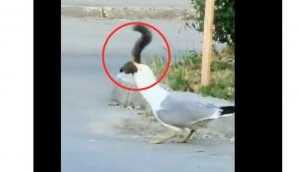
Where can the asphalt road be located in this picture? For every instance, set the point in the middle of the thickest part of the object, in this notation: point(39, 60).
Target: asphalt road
point(89, 140)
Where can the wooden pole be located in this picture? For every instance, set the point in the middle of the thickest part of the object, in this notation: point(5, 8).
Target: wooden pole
point(207, 42)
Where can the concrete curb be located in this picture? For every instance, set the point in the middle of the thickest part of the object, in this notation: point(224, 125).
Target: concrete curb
point(127, 12)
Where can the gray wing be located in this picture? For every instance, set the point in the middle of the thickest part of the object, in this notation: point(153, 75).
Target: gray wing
point(182, 111)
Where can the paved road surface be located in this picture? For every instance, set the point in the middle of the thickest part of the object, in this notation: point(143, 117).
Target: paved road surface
point(89, 142)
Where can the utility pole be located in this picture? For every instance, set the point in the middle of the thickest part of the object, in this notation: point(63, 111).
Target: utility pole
point(207, 42)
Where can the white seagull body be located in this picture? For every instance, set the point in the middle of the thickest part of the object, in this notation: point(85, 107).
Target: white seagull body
point(177, 112)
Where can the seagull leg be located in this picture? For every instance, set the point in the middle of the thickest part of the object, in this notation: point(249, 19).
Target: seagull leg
point(128, 101)
point(185, 139)
point(169, 135)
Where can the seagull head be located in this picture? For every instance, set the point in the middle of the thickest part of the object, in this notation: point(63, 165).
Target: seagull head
point(142, 73)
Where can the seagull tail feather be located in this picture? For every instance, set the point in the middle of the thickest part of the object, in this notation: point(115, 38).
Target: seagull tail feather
point(227, 110)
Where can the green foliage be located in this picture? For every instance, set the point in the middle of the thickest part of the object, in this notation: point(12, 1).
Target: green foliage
point(184, 75)
point(223, 20)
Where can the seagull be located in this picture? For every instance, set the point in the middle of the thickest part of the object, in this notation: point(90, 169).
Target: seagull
point(179, 113)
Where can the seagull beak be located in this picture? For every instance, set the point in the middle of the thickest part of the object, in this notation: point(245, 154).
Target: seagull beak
point(119, 76)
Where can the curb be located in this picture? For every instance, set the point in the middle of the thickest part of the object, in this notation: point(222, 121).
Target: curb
point(107, 12)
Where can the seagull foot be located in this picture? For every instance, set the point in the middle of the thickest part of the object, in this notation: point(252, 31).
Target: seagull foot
point(185, 139)
point(167, 136)
point(157, 141)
